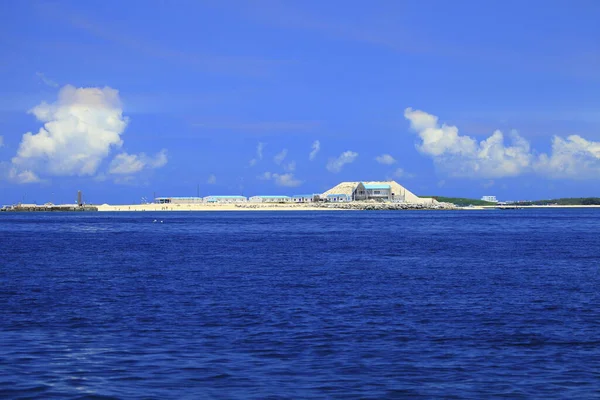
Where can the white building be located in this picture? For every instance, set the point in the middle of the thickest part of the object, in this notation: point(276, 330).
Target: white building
point(338, 198)
point(491, 199)
point(178, 200)
point(270, 199)
point(303, 198)
point(385, 191)
point(225, 199)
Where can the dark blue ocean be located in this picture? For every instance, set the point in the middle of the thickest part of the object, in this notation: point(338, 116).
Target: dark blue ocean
point(409, 304)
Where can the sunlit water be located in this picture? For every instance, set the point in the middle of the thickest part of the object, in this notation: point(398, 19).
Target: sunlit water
point(472, 304)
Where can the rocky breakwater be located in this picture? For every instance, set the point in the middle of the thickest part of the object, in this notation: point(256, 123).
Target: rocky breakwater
point(48, 208)
point(387, 206)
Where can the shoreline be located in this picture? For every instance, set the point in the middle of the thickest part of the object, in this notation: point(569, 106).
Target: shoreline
point(273, 207)
point(201, 207)
point(354, 206)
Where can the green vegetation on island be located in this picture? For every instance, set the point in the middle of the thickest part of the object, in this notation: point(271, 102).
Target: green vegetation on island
point(570, 201)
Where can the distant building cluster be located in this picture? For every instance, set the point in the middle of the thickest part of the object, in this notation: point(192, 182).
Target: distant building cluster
point(303, 198)
point(491, 199)
point(382, 191)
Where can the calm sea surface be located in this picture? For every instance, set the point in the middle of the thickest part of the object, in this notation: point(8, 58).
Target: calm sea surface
point(471, 304)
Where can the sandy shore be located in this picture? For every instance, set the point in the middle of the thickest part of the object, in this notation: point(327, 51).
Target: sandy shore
point(297, 207)
point(211, 207)
point(274, 207)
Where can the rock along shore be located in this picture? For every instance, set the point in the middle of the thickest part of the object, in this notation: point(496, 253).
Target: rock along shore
point(386, 206)
point(278, 207)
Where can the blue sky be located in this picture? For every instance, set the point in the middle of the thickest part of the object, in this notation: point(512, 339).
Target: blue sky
point(126, 99)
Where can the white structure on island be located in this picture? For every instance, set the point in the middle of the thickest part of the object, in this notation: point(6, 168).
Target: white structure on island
point(338, 198)
point(491, 199)
point(270, 199)
point(178, 200)
point(225, 199)
point(303, 198)
point(381, 191)
point(384, 191)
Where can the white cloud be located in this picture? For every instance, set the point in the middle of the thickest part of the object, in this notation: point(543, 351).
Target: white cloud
point(336, 164)
point(291, 166)
point(1, 141)
point(571, 158)
point(286, 180)
point(401, 173)
point(316, 147)
point(80, 130)
point(259, 153)
point(265, 176)
point(26, 176)
point(281, 179)
point(126, 164)
point(212, 179)
point(259, 150)
point(160, 159)
point(462, 156)
point(279, 157)
point(385, 159)
point(47, 81)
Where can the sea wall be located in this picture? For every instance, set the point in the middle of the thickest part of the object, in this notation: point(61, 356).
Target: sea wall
point(44, 208)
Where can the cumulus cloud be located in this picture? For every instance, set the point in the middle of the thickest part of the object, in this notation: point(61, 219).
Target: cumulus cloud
point(279, 157)
point(385, 159)
point(80, 130)
point(336, 164)
point(127, 164)
point(316, 147)
point(462, 156)
point(286, 180)
point(26, 176)
point(571, 158)
point(212, 179)
point(281, 179)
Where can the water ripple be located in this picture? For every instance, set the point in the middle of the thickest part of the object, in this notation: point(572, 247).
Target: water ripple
point(283, 305)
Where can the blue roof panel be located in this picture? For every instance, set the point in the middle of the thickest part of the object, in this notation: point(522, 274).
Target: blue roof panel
point(226, 197)
point(179, 198)
point(377, 186)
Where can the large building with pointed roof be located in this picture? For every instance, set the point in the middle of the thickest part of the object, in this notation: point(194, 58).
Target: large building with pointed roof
point(390, 191)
